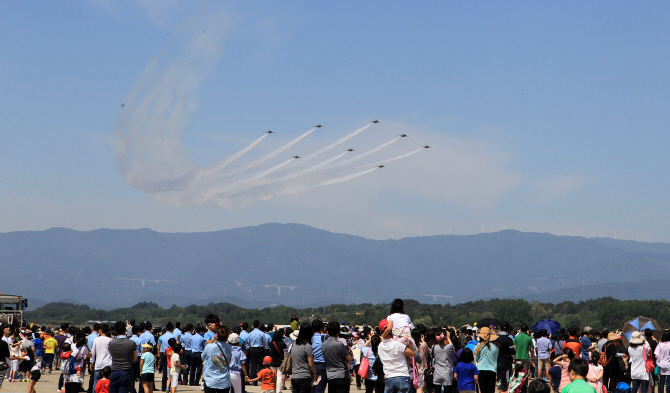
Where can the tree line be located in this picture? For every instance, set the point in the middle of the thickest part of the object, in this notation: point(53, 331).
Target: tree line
point(599, 313)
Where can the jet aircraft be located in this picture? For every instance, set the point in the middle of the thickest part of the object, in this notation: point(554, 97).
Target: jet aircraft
point(426, 147)
point(374, 121)
point(318, 126)
point(351, 150)
point(269, 132)
point(296, 156)
point(403, 135)
point(381, 166)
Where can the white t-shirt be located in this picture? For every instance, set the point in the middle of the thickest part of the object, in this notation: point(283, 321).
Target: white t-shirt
point(400, 321)
point(391, 352)
point(637, 367)
point(100, 353)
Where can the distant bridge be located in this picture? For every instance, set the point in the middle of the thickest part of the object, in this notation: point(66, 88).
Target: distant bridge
point(279, 287)
point(142, 280)
point(451, 298)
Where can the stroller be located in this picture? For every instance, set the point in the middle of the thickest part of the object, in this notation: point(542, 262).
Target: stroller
point(518, 382)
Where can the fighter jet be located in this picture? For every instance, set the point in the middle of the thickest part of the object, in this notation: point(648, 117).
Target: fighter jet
point(269, 132)
point(403, 135)
point(318, 126)
point(351, 150)
point(426, 147)
point(296, 156)
point(381, 166)
point(374, 121)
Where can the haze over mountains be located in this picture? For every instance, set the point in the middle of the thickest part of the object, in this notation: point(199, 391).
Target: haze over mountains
point(236, 265)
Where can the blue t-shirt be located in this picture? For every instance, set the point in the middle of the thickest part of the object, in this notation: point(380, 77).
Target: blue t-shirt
point(147, 338)
point(39, 346)
point(137, 341)
point(215, 369)
point(555, 373)
point(316, 348)
point(92, 337)
point(466, 375)
point(177, 334)
point(186, 341)
point(209, 336)
point(149, 360)
point(163, 340)
point(238, 358)
point(197, 343)
point(586, 344)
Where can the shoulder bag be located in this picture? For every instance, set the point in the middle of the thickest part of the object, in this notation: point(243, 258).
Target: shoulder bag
point(364, 367)
point(286, 366)
point(648, 363)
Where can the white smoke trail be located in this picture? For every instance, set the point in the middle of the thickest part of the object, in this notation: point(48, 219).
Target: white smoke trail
point(304, 188)
point(227, 161)
point(367, 153)
point(337, 143)
point(400, 157)
point(266, 157)
point(147, 135)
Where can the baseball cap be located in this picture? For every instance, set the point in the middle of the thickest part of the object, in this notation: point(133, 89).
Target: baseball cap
point(383, 324)
point(267, 360)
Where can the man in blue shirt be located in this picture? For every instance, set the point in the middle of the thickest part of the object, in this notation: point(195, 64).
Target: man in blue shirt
point(163, 342)
point(197, 346)
point(177, 332)
point(135, 337)
point(94, 334)
point(244, 335)
point(319, 361)
point(145, 336)
point(257, 340)
point(185, 359)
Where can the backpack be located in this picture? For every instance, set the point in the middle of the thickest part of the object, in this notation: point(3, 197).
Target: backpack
point(603, 360)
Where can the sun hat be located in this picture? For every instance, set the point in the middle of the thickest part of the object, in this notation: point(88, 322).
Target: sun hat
point(636, 338)
point(294, 335)
point(147, 345)
point(233, 338)
point(267, 360)
point(487, 334)
point(612, 337)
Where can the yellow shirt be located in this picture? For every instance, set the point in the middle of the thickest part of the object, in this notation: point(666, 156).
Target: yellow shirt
point(50, 345)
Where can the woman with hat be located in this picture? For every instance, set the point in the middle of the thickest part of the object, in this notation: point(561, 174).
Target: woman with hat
point(638, 353)
point(612, 370)
point(486, 355)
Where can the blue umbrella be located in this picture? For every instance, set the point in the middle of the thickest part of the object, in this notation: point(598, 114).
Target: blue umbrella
point(551, 326)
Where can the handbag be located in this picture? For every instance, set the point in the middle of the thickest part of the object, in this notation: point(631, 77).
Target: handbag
point(286, 366)
point(415, 378)
point(648, 363)
point(657, 370)
point(364, 368)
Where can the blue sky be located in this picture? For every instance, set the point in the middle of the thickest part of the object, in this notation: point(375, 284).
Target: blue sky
point(547, 116)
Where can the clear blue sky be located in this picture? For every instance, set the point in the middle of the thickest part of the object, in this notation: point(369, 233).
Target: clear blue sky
point(547, 116)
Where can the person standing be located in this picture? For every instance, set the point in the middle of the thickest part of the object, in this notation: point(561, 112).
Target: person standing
point(135, 337)
point(303, 371)
point(216, 363)
point(524, 346)
point(662, 356)
point(100, 357)
point(586, 344)
point(256, 350)
point(393, 354)
point(186, 338)
point(319, 361)
point(337, 360)
point(577, 371)
point(506, 352)
point(638, 352)
point(197, 346)
point(543, 354)
point(163, 344)
point(486, 355)
point(238, 360)
point(443, 354)
point(124, 354)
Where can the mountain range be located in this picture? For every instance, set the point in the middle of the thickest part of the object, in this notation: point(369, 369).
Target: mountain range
point(109, 268)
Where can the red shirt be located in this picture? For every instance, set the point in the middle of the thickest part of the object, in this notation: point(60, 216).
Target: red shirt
point(102, 386)
point(575, 345)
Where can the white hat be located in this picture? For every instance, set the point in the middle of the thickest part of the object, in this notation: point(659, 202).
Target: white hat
point(233, 338)
point(294, 335)
point(636, 338)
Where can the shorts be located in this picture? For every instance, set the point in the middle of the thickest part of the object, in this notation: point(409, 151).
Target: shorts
point(148, 377)
point(174, 378)
point(14, 365)
point(35, 375)
point(544, 364)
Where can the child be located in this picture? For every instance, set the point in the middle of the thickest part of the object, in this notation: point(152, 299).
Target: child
point(103, 385)
point(169, 351)
point(176, 368)
point(266, 376)
point(147, 368)
point(28, 356)
point(538, 386)
point(577, 371)
point(15, 352)
point(237, 363)
point(50, 345)
point(516, 382)
point(39, 347)
point(466, 373)
point(400, 325)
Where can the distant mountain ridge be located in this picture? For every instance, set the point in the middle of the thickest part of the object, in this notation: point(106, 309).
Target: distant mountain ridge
point(315, 267)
